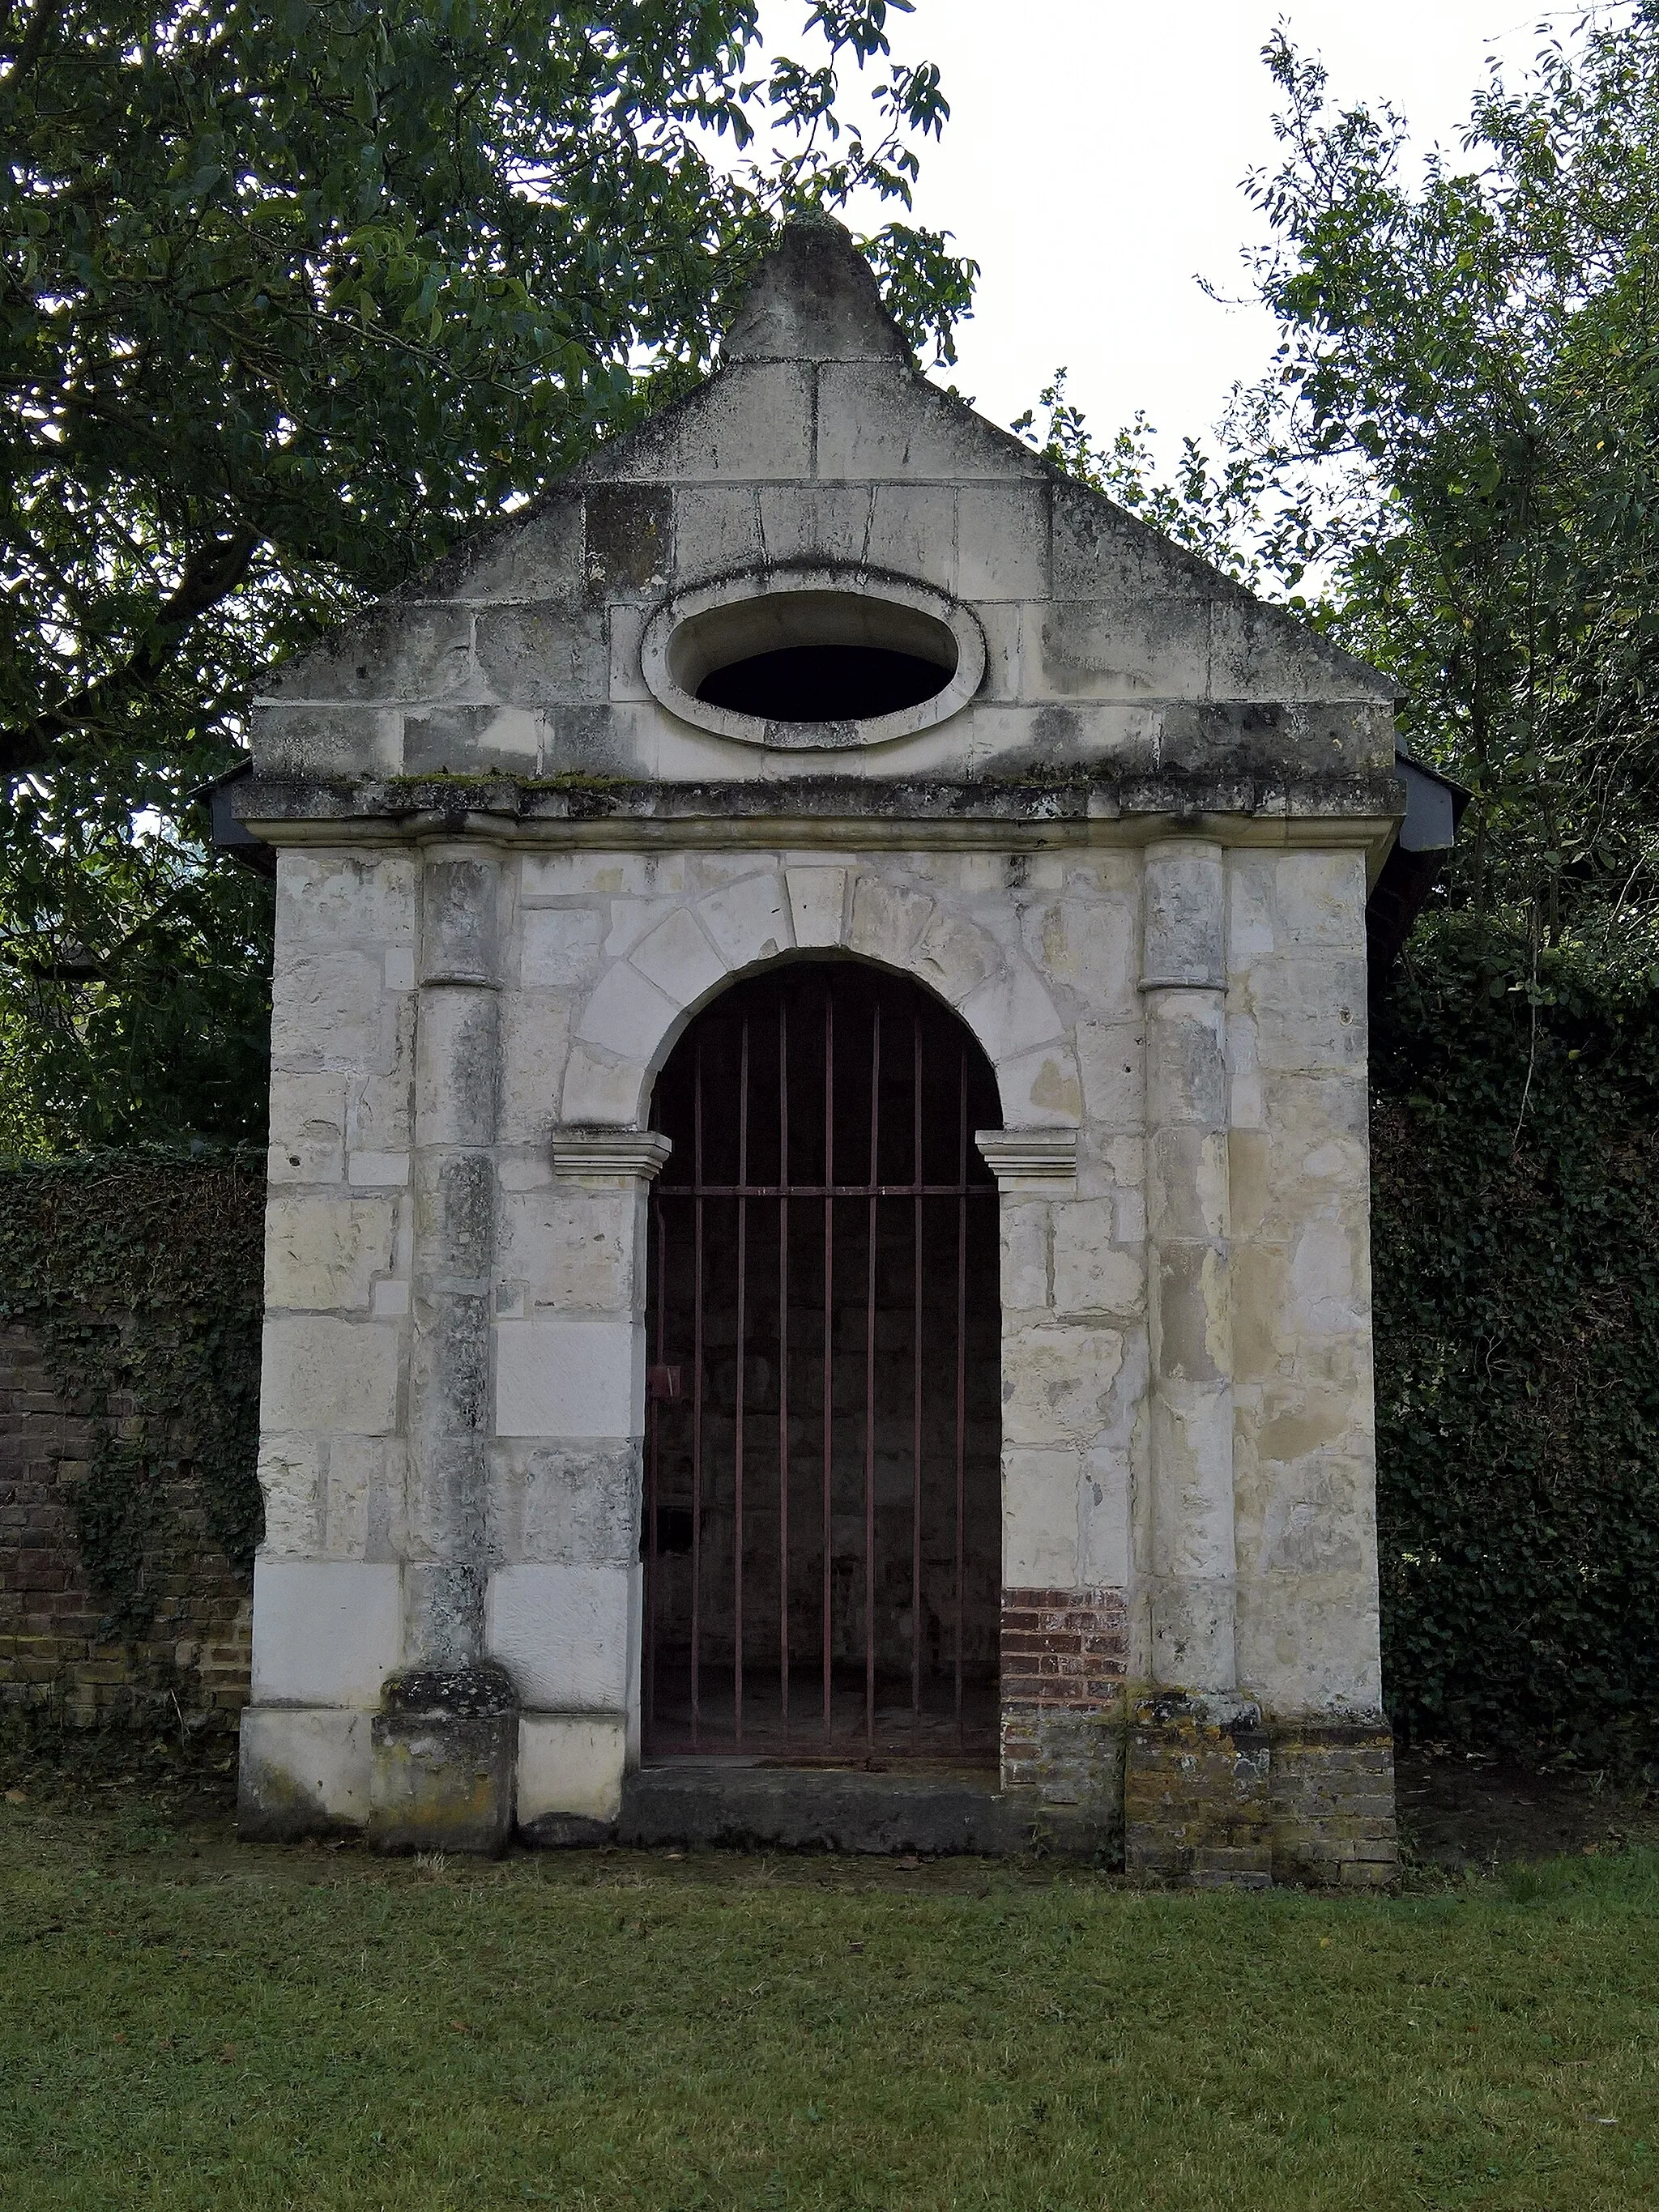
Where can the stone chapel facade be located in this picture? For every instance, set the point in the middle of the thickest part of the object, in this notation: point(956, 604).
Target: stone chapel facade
point(1056, 903)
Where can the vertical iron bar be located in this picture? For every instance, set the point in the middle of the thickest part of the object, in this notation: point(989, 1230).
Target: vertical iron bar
point(737, 1451)
point(870, 1392)
point(653, 1415)
point(962, 1372)
point(783, 1362)
point(696, 1401)
point(915, 1406)
point(829, 1345)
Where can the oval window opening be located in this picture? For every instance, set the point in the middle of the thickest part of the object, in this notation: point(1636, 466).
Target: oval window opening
point(813, 657)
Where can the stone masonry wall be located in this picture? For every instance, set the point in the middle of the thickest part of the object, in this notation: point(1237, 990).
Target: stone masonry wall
point(52, 1646)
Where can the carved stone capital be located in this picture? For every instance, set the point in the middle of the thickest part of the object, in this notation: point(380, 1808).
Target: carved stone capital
point(591, 1154)
point(1033, 1158)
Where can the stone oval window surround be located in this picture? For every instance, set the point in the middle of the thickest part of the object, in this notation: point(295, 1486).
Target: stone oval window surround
point(885, 656)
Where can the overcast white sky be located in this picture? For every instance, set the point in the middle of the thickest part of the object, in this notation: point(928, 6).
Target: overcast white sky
point(1092, 165)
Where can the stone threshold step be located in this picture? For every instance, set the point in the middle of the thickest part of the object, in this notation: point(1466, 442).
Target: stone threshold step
point(746, 1806)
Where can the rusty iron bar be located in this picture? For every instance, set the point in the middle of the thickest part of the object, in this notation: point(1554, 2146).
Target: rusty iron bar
point(783, 1365)
point(737, 1447)
point(870, 1391)
point(829, 1353)
point(652, 1570)
point(696, 1410)
point(962, 1386)
point(915, 1402)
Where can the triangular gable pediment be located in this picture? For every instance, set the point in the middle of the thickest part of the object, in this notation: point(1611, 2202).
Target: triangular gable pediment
point(818, 449)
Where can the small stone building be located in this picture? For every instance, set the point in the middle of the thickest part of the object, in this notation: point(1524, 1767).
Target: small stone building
point(818, 1236)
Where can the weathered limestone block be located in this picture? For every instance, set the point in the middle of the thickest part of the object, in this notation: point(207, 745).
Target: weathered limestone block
point(567, 1503)
point(818, 904)
point(749, 920)
point(363, 1502)
point(323, 1373)
point(570, 1779)
point(557, 1377)
point(564, 1632)
point(575, 1249)
point(1041, 1088)
point(290, 1474)
point(308, 1126)
point(1002, 541)
point(535, 1051)
point(1091, 1274)
point(1057, 1383)
point(324, 1632)
point(302, 1771)
point(1026, 1269)
point(324, 1253)
point(561, 947)
point(1040, 1504)
point(678, 959)
point(330, 1008)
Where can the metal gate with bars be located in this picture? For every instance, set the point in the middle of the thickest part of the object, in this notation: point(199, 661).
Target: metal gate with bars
point(821, 1505)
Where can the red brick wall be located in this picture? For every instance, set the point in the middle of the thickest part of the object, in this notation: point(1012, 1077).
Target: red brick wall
point(1064, 1653)
point(197, 1647)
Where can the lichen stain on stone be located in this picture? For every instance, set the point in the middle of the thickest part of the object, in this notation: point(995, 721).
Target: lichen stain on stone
point(1293, 1435)
point(1312, 1536)
point(1056, 1089)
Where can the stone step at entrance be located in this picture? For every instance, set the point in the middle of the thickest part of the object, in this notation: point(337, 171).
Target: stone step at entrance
point(744, 1804)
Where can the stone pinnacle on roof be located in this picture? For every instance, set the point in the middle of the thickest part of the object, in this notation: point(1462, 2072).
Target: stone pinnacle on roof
point(814, 298)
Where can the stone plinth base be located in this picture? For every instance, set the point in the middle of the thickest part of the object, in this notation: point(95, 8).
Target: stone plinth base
point(1331, 1788)
point(1196, 1806)
point(304, 1771)
point(1212, 1797)
point(445, 1757)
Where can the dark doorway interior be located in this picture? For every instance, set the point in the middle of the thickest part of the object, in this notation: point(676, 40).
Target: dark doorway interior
point(821, 1524)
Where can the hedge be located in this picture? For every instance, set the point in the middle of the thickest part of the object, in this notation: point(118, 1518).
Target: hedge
point(1515, 1242)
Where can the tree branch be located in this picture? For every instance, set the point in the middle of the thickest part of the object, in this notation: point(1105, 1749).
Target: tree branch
point(36, 32)
point(211, 575)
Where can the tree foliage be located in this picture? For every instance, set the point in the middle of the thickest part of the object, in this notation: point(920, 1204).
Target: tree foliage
point(294, 296)
point(1453, 465)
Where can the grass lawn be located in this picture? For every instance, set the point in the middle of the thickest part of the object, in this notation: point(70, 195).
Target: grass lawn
point(184, 2023)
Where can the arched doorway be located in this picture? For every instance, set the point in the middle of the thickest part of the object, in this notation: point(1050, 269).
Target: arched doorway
point(821, 1528)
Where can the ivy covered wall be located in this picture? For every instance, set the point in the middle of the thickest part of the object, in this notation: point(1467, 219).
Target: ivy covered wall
point(1515, 1239)
point(130, 1313)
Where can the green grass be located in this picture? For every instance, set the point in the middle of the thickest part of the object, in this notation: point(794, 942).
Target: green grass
point(318, 2029)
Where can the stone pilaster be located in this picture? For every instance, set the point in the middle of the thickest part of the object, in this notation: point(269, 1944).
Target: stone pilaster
point(1183, 982)
point(1196, 1758)
point(456, 1074)
point(444, 1743)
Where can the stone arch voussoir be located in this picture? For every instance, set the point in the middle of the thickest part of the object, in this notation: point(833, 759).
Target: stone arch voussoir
point(643, 999)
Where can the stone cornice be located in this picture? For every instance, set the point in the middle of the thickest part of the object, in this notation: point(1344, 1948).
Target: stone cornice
point(599, 1155)
point(1360, 814)
point(1022, 1158)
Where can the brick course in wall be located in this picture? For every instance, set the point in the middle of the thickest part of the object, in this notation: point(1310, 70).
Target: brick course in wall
point(52, 1644)
point(1064, 1653)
